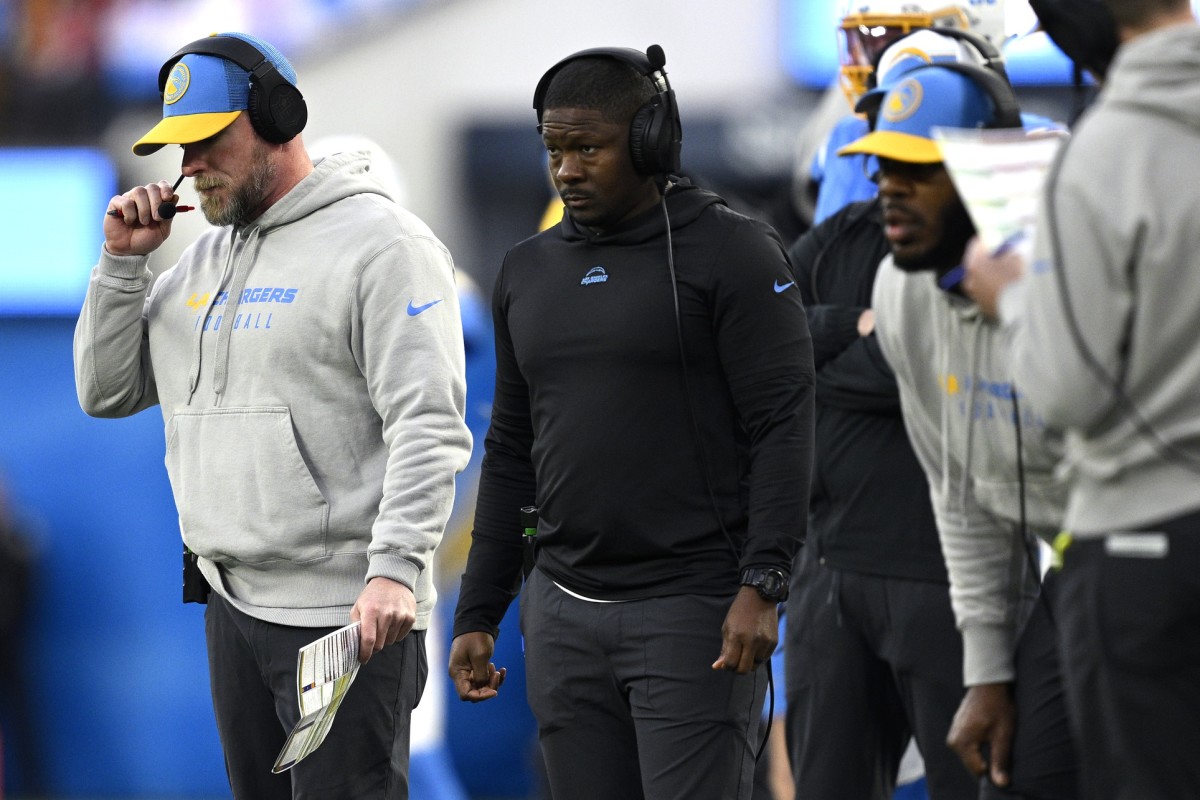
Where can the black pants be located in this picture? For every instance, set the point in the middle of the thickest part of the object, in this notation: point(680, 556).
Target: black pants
point(627, 703)
point(252, 669)
point(870, 661)
point(1044, 756)
point(1130, 613)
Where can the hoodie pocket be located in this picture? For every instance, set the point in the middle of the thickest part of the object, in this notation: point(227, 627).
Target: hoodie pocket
point(243, 491)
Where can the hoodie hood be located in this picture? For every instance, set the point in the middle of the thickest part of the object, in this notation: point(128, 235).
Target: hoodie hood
point(1139, 79)
point(685, 203)
point(333, 178)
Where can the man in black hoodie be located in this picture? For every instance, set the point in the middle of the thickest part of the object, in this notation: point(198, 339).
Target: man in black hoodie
point(654, 401)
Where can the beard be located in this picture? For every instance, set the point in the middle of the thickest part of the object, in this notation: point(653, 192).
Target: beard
point(947, 252)
point(245, 199)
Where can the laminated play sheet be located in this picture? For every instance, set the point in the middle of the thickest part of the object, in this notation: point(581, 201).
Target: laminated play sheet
point(999, 174)
point(324, 671)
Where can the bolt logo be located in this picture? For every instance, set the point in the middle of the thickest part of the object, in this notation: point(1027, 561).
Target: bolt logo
point(177, 83)
point(197, 302)
point(903, 101)
point(594, 275)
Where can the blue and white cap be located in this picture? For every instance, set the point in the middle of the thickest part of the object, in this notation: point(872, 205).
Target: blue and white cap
point(203, 94)
point(919, 101)
point(918, 49)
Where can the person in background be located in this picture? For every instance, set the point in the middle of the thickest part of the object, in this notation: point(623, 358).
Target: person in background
point(868, 28)
point(306, 354)
point(873, 655)
point(1104, 344)
point(989, 457)
point(653, 411)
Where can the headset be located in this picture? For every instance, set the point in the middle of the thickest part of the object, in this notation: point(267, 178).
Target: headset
point(1004, 100)
point(988, 53)
point(655, 134)
point(276, 107)
point(991, 76)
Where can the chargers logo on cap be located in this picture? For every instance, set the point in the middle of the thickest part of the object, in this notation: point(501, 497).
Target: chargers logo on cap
point(903, 100)
point(177, 83)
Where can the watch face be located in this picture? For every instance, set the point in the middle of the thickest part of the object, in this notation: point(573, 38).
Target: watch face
point(772, 583)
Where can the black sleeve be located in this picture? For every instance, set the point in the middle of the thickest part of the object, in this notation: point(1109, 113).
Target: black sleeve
point(506, 484)
point(835, 265)
point(833, 328)
point(832, 317)
point(860, 380)
point(766, 352)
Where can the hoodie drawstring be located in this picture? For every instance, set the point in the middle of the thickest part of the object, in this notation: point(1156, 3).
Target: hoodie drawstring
point(240, 274)
point(198, 338)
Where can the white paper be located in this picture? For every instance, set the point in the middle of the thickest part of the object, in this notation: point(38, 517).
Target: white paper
point(324, 671)
point(999, 173)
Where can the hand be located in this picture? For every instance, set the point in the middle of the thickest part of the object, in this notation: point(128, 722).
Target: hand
point(985, 718)
point(750, 632)
point(137, 229)
point(987, 274)
point(866, 322)
point(387, 611)
point(475, 676)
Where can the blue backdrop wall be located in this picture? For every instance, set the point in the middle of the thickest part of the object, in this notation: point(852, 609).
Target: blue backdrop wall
point(115, 671)
point(116, 667)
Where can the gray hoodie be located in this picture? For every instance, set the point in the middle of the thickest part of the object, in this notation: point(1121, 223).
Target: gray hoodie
point(310, 371)
point(1126, 207)
point(954, 371)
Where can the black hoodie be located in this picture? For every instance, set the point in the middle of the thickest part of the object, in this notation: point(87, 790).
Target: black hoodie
point(627, 455)
point(871, 511)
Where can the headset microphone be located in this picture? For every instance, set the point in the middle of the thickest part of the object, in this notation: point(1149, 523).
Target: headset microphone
point(166, 210)
point(656, 56)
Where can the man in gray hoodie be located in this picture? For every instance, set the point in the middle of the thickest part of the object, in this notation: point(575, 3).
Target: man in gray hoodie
point(307, 357)
point(988, 456)
point(1104, 342)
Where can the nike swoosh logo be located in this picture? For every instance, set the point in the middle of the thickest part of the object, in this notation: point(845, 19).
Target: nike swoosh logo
point(779, 289)
point(414, 310)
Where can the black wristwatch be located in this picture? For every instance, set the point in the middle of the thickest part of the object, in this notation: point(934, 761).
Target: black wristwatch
point(771, 583)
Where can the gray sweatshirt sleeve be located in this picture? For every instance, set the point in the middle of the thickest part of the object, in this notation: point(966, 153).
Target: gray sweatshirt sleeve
point(1047, 329)
point(113, 375)
point(413, 360)
point(983, 554)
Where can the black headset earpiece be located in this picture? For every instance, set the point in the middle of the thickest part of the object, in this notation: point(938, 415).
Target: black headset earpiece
point(655, 134)
point(277, 109)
